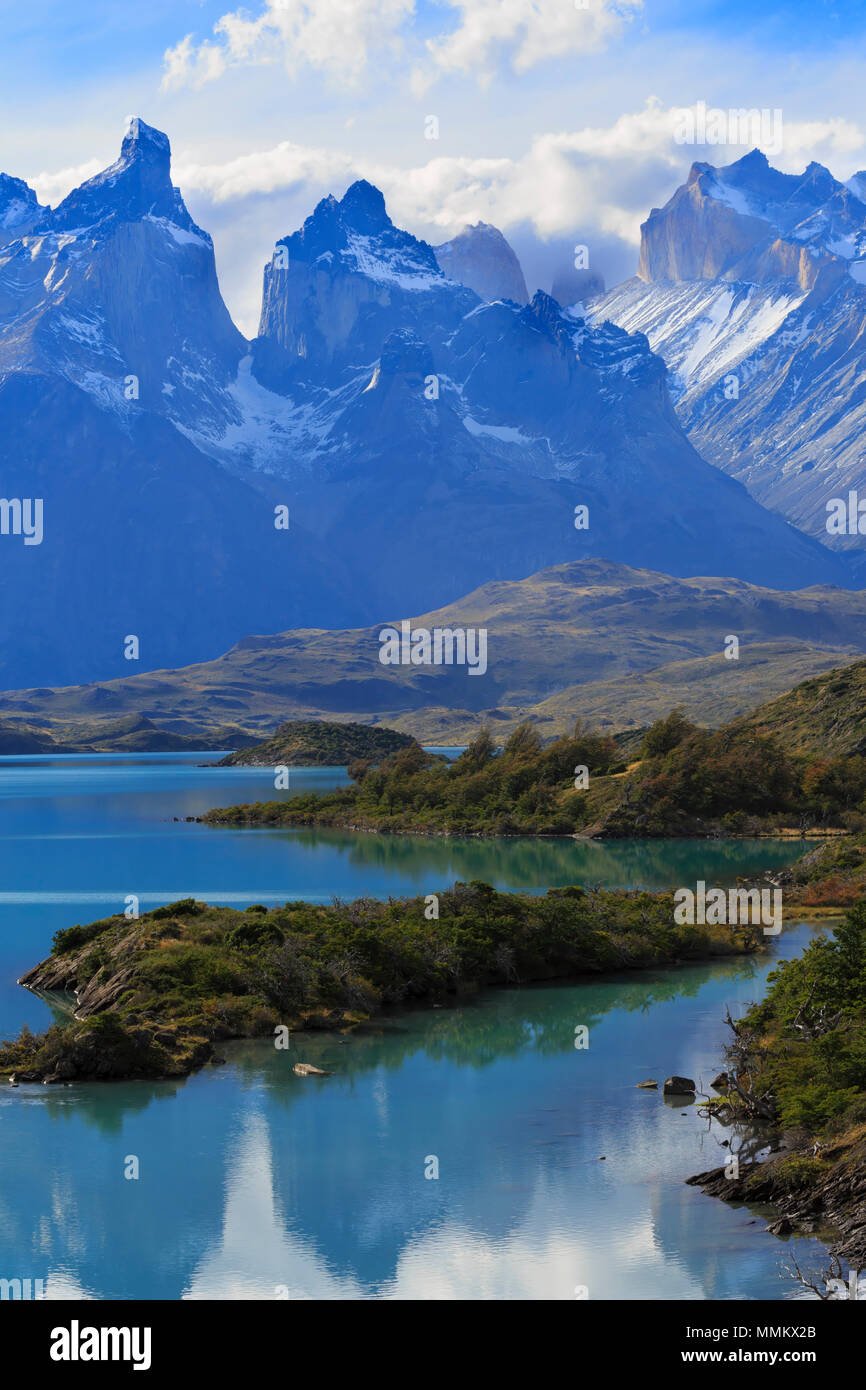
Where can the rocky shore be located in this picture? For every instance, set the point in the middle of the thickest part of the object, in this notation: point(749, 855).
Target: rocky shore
point(813, 1193)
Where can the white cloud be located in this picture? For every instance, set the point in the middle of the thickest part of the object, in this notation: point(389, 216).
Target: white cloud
point(527, 31)
point(340, 36)
point(336, 36)
point(52, 188)
point(267, 171)
point(830, 142)
point(599, 177)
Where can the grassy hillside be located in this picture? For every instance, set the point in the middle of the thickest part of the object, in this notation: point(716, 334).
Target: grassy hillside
point(593, 640)
point(825, 716)
point(134, 733)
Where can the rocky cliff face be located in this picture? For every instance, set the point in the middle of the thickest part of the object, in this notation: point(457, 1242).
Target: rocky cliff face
point(335, 290)
point(117, 283)
point(422, 411)
point(481, 258)
point(114, 344)
point(749, 222)
point(752, 286)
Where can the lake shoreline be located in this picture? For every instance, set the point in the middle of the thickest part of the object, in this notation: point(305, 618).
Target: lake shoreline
point(224, 818)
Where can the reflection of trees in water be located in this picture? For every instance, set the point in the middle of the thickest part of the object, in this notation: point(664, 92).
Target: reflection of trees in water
point(481, 1031)
point(105, 1105)
point(528, 864)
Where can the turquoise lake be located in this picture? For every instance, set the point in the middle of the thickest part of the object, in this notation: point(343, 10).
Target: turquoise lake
point(555, 1173)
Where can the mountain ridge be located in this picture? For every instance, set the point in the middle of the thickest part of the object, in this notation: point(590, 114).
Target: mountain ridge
point(387, 433)
point(752, 286)
point(591, 639)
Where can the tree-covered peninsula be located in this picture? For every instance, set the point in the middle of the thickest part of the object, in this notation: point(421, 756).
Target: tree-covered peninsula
point(155, 995)
point(674, 780)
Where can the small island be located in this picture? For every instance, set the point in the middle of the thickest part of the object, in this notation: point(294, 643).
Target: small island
point(153, 996)
point(320, 743)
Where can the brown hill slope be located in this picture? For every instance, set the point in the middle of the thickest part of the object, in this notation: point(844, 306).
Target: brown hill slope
point(575, 640)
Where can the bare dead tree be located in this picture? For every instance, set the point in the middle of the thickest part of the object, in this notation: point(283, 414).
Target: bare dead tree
point(744, 1142)
point(823, 1283)
point(741, 1055)
point(813, 1023)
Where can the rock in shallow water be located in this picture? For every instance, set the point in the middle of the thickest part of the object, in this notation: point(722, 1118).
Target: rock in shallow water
point(679, 1086)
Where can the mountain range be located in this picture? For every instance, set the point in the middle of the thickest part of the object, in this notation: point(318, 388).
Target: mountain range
point(752, 286)
point(390, 432)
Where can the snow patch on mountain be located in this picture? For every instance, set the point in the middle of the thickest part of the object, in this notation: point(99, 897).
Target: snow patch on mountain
point(182, 235)
point(703, 329)
point(506, 434)
point(267, 432)
point(390, 264)
point(732, 197)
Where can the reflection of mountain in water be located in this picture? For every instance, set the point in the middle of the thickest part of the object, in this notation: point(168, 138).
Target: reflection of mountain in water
point(253, 1178)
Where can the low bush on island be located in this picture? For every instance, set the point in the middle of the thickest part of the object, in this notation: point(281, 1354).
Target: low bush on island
point(154, 994)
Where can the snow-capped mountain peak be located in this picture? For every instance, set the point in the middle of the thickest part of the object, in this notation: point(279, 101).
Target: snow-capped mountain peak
point(137, 185)
point(357, 234)
point(752, 286)
point(82, 296)
point(748, 221)
point(423, 439)
point(335, 289)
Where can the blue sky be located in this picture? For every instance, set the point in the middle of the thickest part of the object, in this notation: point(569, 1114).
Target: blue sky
point(558, 129)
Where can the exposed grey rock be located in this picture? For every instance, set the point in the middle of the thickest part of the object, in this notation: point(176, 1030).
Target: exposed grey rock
point(752, 286)
point(481, 258)
point(380, 397)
